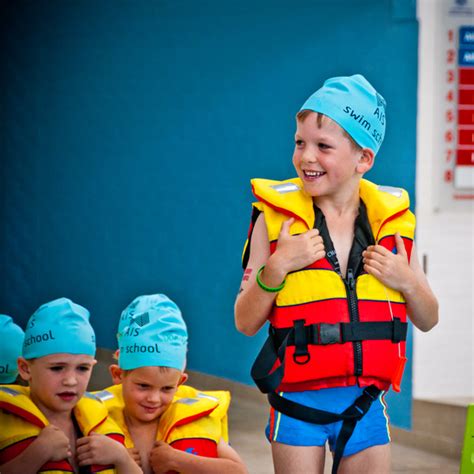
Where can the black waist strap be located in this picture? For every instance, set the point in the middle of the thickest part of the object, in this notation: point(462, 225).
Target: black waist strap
point(324, 333)
point(349, 417)
point(301, 336)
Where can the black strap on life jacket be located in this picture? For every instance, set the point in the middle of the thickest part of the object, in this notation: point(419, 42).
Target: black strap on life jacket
point(349, 417)
point(273, 351)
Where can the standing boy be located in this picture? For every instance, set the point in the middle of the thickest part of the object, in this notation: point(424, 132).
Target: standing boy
point(53, 425)
point(168, 426)
point(330, 262)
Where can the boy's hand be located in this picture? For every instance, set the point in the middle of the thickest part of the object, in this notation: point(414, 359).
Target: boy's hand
point(298, 251)
point(55, 443)
point(393, 270)
point(161, 457)
point(135, 455)
point(99, 449)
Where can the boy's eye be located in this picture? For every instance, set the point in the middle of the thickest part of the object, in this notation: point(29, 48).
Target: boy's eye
point(84, 368)
point(323, 146)
point(299, 143)
point(168, 389)
point(143, 386)
point(56, 368)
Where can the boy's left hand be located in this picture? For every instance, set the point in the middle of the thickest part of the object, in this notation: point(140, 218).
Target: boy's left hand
point(99, 449)
point(161, 457)
point(393, 270)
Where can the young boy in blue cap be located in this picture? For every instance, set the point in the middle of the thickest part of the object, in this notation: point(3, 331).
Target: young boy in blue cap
point(53, 425)
point(12, 337)
point(168, 426)
point(330, 262)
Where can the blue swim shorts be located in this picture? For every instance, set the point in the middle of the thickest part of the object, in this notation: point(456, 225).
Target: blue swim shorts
point(371, 430)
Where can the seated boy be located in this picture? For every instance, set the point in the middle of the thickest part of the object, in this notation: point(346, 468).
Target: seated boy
point(168, 426)
point(53, 425)
point(12, 337)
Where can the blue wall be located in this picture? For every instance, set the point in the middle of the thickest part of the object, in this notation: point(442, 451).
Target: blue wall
point(131, 129)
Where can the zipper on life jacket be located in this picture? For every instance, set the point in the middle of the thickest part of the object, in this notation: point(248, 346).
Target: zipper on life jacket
point(350, 284)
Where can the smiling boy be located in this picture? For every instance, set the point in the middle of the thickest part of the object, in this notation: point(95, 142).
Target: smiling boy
point(336, 274)
point(167, 426)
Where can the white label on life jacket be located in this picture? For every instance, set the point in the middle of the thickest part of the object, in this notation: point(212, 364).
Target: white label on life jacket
point(104, 395)
point(285, 188)
point(10, 391)
point(205, 395)
point(187, 401)
point(397, 192)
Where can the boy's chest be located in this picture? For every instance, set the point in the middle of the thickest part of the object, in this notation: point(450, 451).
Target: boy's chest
point(144, 441)
point(341, 233)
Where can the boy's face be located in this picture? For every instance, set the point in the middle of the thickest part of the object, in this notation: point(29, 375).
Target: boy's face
point(325, 159)
point(148, 391)
point(57, 381)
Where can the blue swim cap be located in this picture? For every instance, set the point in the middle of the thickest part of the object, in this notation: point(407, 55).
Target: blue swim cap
point(57, 327)
point(152, 333)
point(354, 105)
point(12, 337)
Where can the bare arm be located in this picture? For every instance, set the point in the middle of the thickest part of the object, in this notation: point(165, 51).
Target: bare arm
point(393, 270)
point(100, 449)
point(253, 305)
point(164, 458)
point(51, 445)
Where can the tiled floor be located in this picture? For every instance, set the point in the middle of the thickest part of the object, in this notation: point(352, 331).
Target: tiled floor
point(247, 420)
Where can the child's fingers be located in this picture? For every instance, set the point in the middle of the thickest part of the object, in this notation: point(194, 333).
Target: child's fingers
point(401, 250)
point(82, 441)
point(285, 226)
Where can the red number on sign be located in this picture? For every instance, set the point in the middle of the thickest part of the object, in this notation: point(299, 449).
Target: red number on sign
point(449, 115)
point(450, 76)
point(448, 176)
point(449, 156)
point(450, 55)
point(448, 136)
point(450, 96)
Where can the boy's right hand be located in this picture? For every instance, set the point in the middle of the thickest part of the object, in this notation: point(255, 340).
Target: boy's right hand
point(294, 252)
point(135, 455)
point(55, 443)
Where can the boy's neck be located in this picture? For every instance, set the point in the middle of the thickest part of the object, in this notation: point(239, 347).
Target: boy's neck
point(340, 206)
point(138, 425)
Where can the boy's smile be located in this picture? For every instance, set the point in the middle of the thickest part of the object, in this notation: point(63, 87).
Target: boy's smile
point(324, 157)
point(148, 391)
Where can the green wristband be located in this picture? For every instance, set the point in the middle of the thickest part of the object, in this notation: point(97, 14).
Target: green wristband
point(268, 288)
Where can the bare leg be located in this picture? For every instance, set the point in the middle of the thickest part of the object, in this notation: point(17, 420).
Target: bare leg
point(374, 460)
point(298, 459)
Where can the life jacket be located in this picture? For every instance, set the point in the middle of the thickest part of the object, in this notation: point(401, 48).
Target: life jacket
point(339, 332)
point(21, 422)
point(327, 330)
point(194, 422)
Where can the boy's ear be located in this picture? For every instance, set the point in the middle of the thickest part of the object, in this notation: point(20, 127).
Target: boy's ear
point(24, 368)
point(366, 161)
point(184, 377)
point(117, 374)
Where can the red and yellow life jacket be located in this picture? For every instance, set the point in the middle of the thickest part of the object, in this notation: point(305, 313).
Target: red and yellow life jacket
point(21, 422)
point(324, 310)
point(194, 422)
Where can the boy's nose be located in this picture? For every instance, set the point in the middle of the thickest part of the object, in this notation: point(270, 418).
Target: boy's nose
point(154, 397)
point(309, 156)
point(70, 379)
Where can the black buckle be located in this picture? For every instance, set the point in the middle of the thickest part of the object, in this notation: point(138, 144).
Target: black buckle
point(301, 355)
point(329, 333)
